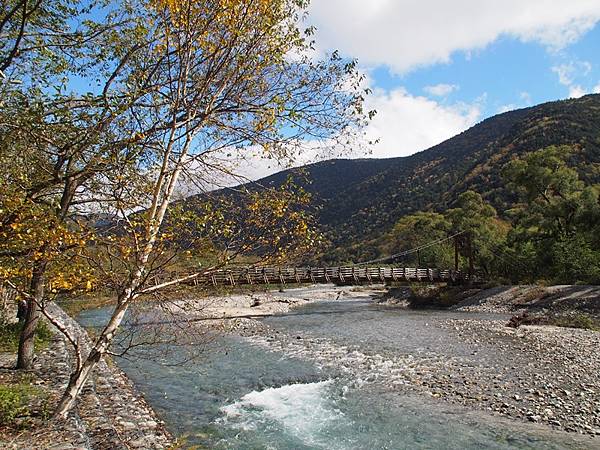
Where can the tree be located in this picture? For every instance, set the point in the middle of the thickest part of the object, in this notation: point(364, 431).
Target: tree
point(420, 229)
point(218, 76)
point(557, 221)
point(56, 143)
point(479, 220)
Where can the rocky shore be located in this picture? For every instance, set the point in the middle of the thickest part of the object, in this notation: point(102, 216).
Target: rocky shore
point(547, 375)
point(110, 413)
point(542, 375)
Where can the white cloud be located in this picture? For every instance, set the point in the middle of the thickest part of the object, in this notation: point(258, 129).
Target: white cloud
point(569, 72)
point(576, 91)
point(524, 101)
point(565, 73)
point(441, 90)
point(596, 89)
point(407, 124)
point(404, 34)
point(506, 108)
point(526, 97)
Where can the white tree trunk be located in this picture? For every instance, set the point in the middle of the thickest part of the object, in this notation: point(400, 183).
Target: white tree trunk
point(80, 376)
point(160, 204)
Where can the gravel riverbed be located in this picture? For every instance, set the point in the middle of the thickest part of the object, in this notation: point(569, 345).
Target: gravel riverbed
point(542, 375)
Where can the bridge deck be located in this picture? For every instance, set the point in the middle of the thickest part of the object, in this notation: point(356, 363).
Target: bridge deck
point(339, 275)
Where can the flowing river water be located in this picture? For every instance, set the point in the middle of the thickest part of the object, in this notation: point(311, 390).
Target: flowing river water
point(326, 377)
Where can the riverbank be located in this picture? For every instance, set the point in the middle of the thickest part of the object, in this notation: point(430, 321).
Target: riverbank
point(542, 375)
point(110, 413)
point(546, 379)
point(239, 312)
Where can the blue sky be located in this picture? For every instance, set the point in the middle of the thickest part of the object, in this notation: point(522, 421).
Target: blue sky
point(438, 67)
point(508, 72)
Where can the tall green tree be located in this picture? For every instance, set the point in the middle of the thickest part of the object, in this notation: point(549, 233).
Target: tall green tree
point(420, 229)
point(556, 226)
point(486, 232)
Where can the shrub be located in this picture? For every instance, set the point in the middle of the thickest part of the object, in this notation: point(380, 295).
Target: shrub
point(14, 402)
point(576, 321)
point(563, 320)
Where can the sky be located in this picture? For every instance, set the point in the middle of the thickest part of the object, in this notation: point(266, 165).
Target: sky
point(438, 67)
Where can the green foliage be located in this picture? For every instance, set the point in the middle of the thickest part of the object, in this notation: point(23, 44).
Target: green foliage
point(473, 216)
point(361, 200)
point(10, 332)
point(555, 232)
point(578, 320)
point(479, 220)
point(15, 402)
point(419, 229)
point(575, 320)
point(574, 260)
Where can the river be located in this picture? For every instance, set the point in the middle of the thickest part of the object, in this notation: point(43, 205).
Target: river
point(328, 376)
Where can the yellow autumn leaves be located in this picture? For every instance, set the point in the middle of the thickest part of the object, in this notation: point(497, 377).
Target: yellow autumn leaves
point(30, 232)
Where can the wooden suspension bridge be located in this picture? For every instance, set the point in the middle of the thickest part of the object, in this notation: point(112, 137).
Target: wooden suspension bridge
point(350, 275)
point(357, 274)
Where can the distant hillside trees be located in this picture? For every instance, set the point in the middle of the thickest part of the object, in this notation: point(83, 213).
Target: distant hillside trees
point(475, 220)
point(361, 200)
point(552, 234)
point(417, 230)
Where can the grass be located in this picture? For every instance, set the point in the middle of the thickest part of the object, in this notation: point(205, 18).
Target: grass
point(10, 333)
point(578, 320)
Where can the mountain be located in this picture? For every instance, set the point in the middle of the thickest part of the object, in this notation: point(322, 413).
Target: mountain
point(360, 199)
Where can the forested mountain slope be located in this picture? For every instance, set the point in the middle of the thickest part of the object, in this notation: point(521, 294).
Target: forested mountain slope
point(360, 199)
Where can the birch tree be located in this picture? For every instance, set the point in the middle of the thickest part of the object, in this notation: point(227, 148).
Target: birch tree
point(220, 76)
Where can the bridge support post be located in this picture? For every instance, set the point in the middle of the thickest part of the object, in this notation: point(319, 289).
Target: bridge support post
point(456, 253)
point(470, 256)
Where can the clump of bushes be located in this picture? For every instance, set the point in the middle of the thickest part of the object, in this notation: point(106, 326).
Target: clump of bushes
point(578, 320)
point(438, 297)
point(20, 401)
